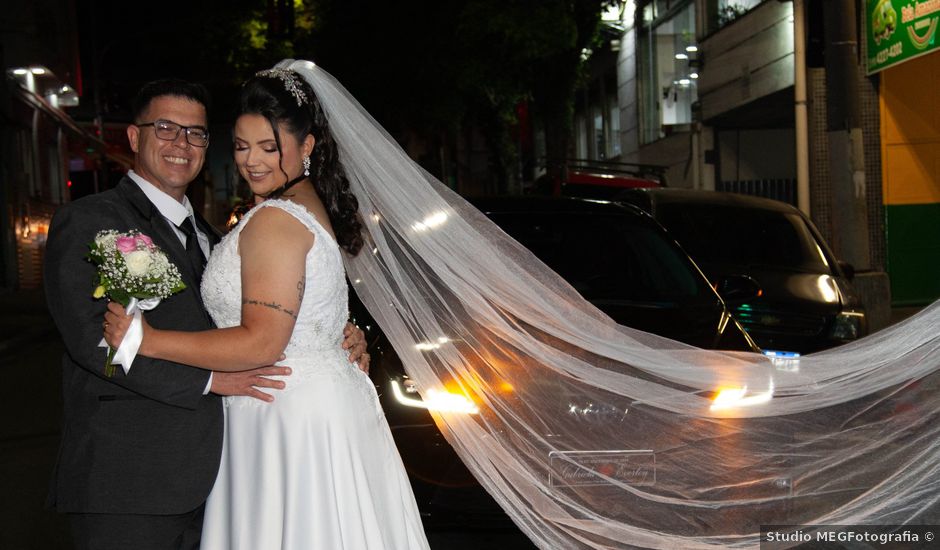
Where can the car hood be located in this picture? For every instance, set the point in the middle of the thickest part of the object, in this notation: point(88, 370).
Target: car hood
point(697, 324)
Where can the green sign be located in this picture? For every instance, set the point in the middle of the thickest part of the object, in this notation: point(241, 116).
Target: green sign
point(899, 30)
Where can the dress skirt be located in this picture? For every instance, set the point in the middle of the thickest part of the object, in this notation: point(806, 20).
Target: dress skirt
point(315, 469)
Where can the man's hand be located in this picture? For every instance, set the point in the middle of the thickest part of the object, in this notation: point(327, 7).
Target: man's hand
point(247, 382)
point(116, 323)
point(355, 343)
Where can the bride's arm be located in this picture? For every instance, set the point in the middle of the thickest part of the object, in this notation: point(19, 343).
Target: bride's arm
point(273, 247)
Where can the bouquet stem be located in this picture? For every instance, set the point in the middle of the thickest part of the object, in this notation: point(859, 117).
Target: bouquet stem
point(109, 367)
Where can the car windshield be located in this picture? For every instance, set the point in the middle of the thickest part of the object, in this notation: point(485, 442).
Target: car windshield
point(608, 257)
point(722, 234)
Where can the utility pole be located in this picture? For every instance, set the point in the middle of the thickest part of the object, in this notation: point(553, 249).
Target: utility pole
point(844, 129)
point(801, 117)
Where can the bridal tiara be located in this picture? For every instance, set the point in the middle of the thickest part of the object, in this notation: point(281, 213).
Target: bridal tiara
point(289, 78)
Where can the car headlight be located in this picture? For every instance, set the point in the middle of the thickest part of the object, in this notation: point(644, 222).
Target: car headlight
point(847, 325)
point(434, 400)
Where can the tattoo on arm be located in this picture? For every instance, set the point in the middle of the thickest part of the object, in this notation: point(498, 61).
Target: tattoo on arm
point(272, 305)
point(301, 285)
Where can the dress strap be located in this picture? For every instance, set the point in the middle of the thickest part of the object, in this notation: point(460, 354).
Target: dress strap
point(298, 211)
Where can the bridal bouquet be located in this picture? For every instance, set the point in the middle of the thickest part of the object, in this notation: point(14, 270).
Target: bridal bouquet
point(135, 273)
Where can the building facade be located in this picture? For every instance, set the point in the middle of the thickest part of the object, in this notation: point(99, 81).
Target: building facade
point(43, 151)
point(903, 48)
point(706, 88)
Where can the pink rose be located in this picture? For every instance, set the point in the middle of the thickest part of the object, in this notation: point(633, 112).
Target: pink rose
point(125, 244)
point(148, 242)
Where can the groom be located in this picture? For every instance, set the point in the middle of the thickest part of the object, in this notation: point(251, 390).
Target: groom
point(140, 451)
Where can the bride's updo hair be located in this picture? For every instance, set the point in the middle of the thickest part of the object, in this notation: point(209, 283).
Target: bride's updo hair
point(284, 96)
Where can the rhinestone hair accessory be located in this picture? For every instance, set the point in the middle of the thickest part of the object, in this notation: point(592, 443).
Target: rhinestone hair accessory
point(289, 78)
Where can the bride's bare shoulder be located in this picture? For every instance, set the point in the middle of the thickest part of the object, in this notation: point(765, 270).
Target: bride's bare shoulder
point(271, 223)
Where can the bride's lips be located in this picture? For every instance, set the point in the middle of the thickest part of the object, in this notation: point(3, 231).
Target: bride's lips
point(257, 176)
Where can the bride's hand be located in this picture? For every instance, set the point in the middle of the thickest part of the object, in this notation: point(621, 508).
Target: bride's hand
point(116, 323)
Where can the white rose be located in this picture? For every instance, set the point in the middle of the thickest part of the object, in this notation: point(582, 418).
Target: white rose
point(138, 262)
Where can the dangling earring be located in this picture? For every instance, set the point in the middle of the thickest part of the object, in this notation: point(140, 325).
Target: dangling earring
point(306, 165)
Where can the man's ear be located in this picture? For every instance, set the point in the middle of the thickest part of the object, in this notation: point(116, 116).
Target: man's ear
point(133, 134)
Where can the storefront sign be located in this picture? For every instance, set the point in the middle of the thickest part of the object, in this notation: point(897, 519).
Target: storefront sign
point(899, 30)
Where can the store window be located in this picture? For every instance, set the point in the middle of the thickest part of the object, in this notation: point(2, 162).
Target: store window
point(581, 137)
point(600, 138)
point(597, 120)
point(667, 67)
point(613, 127)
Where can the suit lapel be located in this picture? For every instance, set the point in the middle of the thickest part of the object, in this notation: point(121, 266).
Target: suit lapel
point(160, 231)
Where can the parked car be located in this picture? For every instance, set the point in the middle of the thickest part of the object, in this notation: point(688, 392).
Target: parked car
point(619, 259)
point(595, 179)
point(769, 263)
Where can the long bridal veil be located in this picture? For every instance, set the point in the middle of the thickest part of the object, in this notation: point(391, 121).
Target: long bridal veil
point(594, 435)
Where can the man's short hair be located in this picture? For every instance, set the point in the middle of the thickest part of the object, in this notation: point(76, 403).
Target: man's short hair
point(168, 87)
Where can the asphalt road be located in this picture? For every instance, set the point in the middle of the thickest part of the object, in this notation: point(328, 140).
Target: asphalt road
point(30, 412)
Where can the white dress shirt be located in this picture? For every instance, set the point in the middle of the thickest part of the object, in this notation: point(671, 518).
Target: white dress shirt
point(174, 212)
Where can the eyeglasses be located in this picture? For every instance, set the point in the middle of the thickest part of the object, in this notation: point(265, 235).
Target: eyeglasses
point(197, 136)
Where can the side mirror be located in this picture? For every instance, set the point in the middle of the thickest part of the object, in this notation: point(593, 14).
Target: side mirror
point(738, 288)
point(847, 269)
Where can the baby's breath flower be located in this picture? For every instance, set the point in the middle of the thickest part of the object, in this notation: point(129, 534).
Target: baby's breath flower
point(141, 271)
point(105, 239)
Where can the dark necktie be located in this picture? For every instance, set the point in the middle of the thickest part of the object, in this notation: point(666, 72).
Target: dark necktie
point(193, 250)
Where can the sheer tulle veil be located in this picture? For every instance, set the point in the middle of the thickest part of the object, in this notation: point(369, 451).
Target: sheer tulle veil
point(595, 435)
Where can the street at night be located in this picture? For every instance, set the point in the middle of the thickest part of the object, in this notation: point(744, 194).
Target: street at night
point(625, 274)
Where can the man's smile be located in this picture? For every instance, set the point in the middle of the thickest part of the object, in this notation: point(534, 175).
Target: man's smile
point(176, 160)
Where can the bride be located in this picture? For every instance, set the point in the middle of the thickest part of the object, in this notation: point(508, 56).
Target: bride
point(317, 468)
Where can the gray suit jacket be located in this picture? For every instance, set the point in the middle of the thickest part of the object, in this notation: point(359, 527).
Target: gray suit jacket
point(148, 442)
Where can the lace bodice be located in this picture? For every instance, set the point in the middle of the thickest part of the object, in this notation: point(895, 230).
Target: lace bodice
point(324, 309)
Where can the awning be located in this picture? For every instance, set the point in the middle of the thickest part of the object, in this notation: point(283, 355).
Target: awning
point(35, 101)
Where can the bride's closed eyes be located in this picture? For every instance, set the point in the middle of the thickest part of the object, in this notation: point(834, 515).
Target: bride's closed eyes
point(266, 146)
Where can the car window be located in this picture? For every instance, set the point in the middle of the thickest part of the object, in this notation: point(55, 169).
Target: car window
point(608, 257)
point(711, 233)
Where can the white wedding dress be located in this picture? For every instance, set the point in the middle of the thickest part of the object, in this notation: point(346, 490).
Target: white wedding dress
point(317, 468)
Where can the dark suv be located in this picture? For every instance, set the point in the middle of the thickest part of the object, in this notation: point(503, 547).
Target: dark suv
point(769, 263)
point(620, 260)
